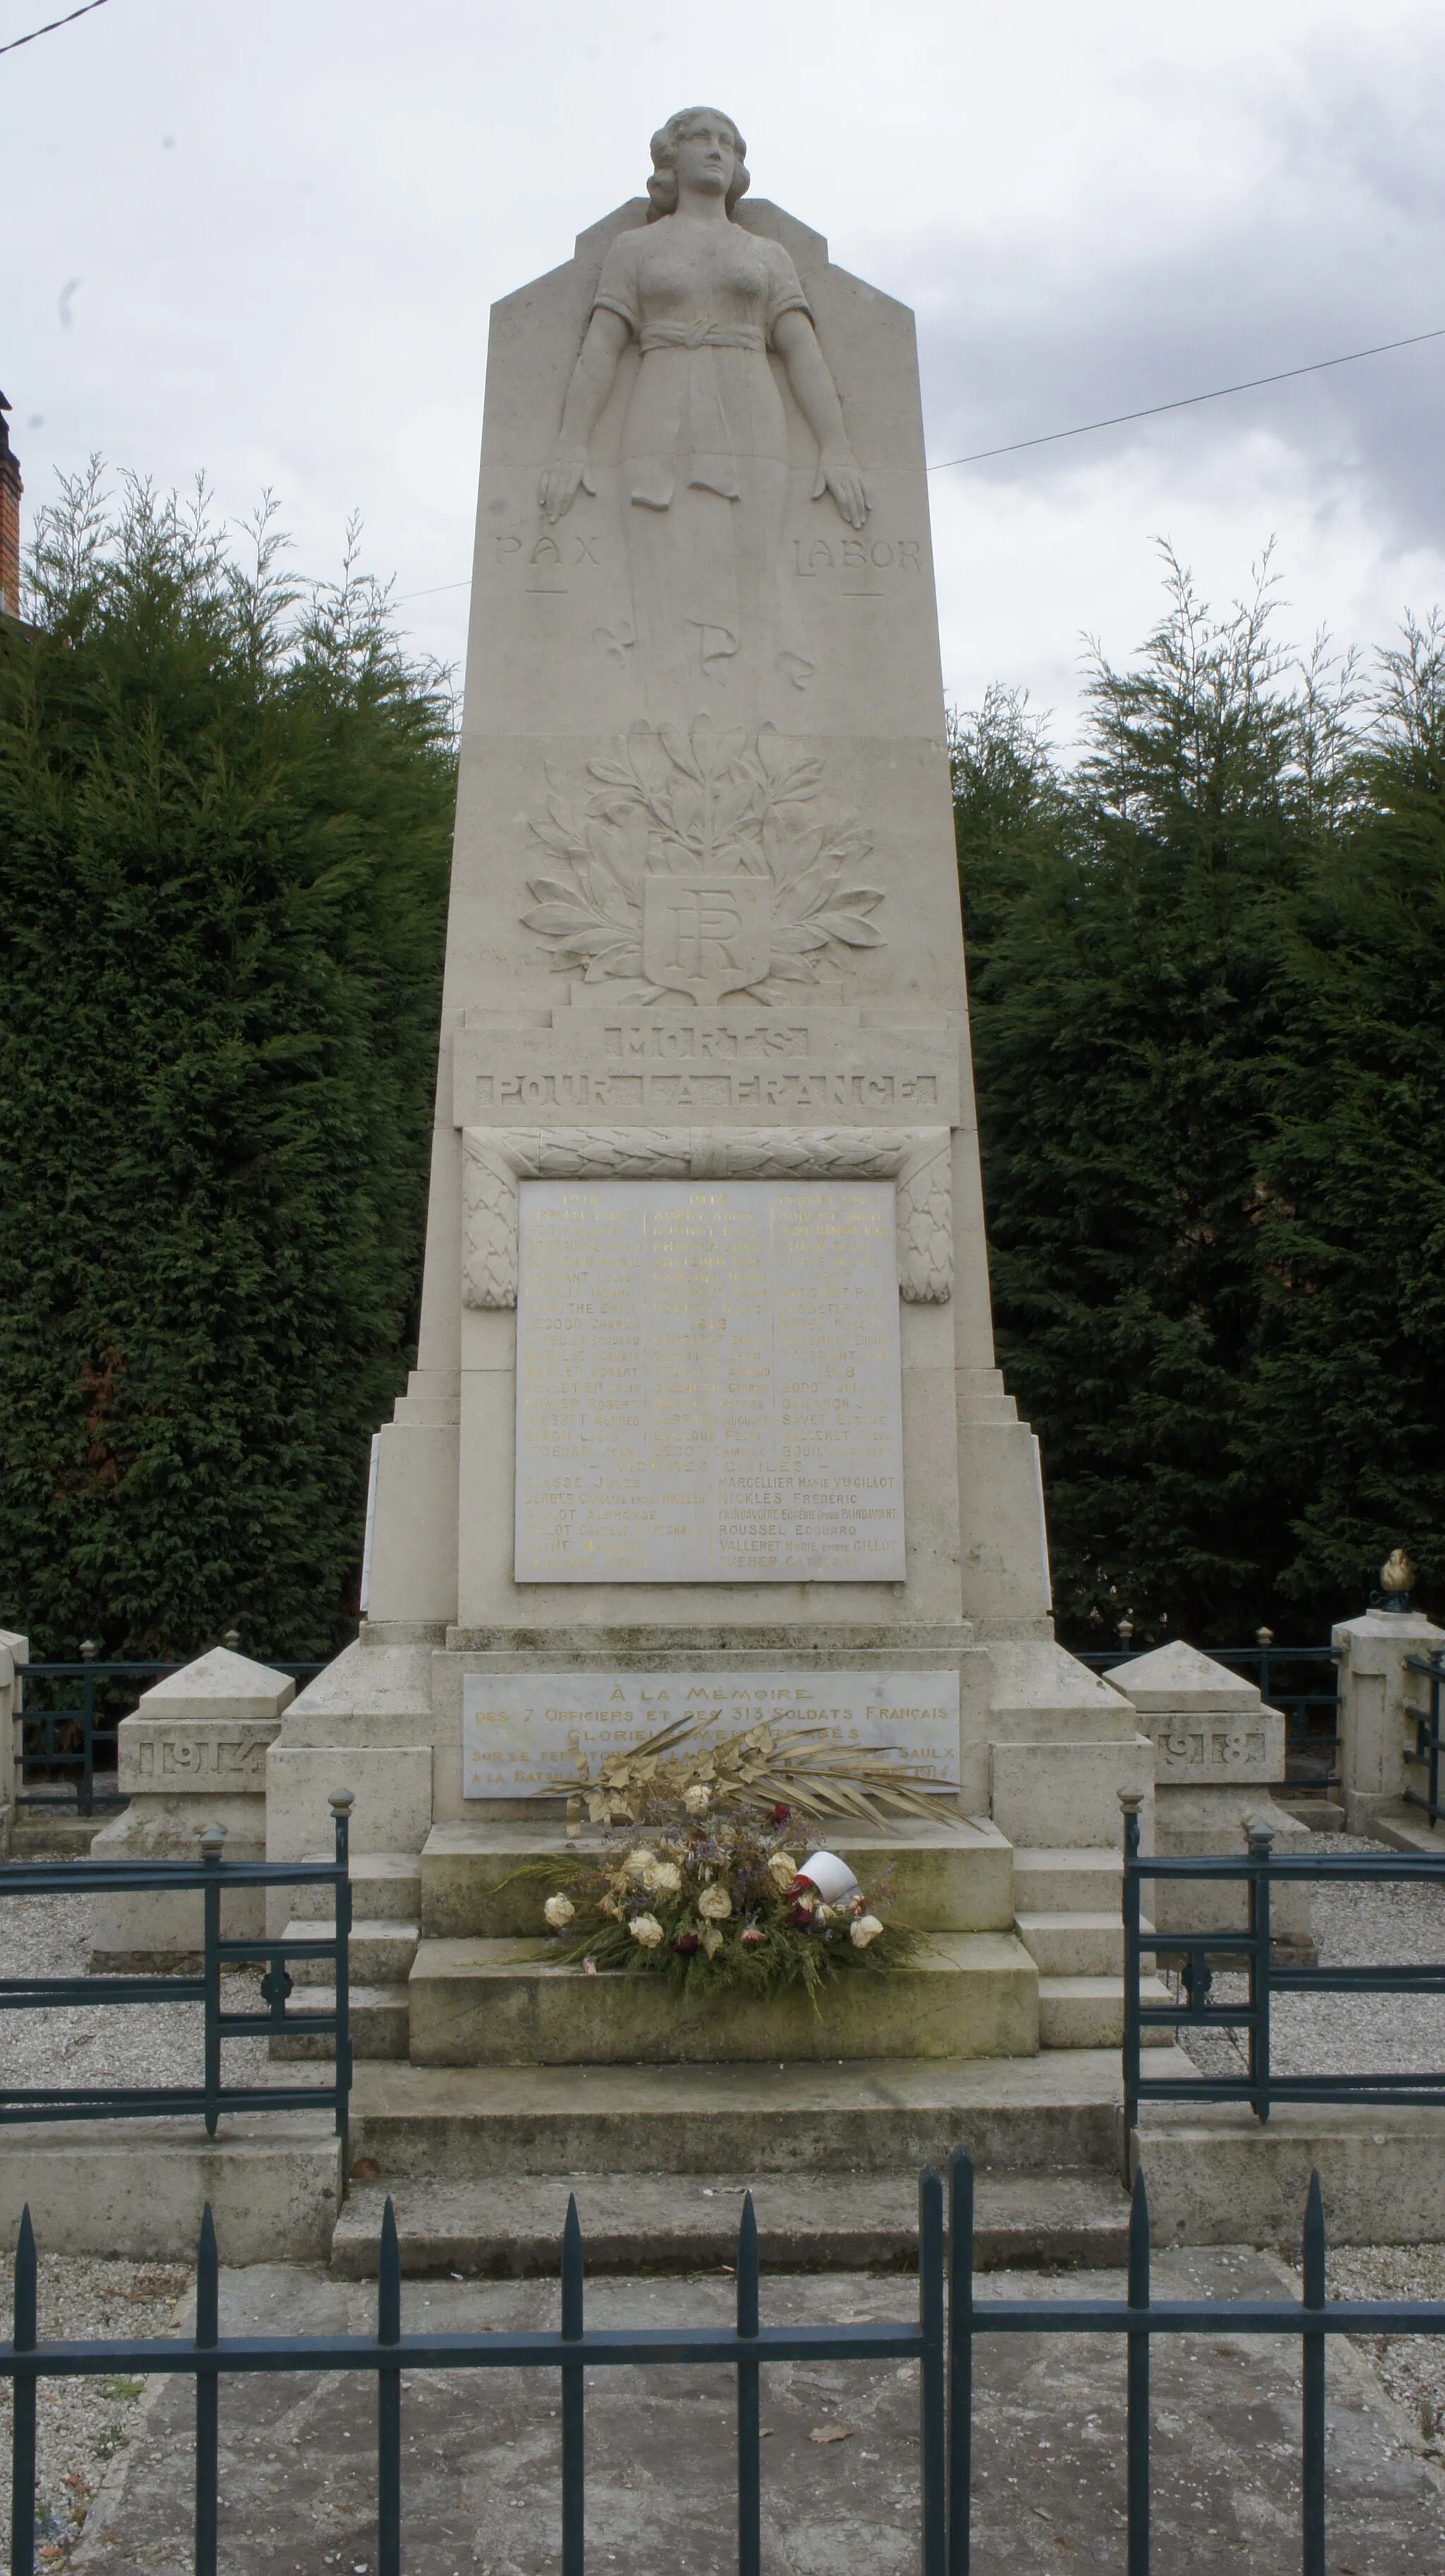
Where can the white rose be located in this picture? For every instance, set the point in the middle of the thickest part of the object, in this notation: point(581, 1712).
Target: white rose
point(646, 1929)
point(698, 1798)
point(866, 1928)
point(783, 1868)
point(640, 1866)
point(559, 1911)
point(665, 1879)
point(715, 1904)
point(712, 1939)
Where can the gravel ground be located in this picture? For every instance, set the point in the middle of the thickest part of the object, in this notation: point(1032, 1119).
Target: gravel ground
point(1410, 2368)
point(1380, 1923)
point(49, 1936)
point(82, 2423)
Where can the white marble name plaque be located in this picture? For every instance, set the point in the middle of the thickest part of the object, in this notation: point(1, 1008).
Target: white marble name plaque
point(708, 1384)
point(522, 1730)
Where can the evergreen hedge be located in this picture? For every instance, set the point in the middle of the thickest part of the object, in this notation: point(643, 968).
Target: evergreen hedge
point(225, 812)
point(1209, 1039)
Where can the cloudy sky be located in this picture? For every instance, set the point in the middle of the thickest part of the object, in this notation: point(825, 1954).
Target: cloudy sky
point(260, 237)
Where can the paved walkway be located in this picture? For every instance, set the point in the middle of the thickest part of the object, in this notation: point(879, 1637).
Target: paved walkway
point(480, 2451)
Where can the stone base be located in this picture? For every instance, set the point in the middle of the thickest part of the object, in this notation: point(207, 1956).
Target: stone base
point(503, 2003)
point(139, 2187)
point(1215, 2176)
point(1064, 1792)
point(158, 1928)
point(1216, 1821)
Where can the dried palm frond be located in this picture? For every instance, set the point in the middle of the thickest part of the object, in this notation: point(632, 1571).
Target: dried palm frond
point(762, 1767)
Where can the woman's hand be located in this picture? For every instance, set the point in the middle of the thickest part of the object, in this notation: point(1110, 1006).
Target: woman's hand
point(563, 476)
point(838, 473)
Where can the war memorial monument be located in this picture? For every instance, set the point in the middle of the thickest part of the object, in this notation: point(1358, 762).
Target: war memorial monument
point(705, 1422)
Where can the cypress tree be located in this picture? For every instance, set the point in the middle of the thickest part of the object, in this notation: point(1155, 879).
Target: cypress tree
point(1217, 1292)
point(225, 807)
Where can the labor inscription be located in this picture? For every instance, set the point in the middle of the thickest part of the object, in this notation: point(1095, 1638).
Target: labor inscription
point(708, 1383)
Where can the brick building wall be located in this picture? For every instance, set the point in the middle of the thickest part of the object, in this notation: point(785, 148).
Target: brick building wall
point(11, 488)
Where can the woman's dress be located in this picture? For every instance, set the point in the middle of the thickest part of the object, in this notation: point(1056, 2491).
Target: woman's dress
point(705, 466)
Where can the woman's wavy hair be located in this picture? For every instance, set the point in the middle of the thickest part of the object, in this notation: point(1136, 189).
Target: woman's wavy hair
point(662, 186)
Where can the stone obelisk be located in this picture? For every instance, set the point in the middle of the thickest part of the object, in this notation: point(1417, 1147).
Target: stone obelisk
point(705, 1370)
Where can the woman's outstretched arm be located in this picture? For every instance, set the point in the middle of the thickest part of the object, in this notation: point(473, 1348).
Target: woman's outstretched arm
point(593, 377)
point(796, 343)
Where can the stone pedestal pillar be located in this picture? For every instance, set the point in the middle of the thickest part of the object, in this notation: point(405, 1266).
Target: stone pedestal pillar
point(194, 1754)
point(14, 1654)
point(1218, 1753)
point(1375, 1690)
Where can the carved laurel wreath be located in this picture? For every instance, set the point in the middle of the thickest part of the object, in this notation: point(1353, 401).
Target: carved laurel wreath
point(702, 804)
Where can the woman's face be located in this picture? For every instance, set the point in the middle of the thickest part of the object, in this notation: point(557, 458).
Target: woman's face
point(705, 157)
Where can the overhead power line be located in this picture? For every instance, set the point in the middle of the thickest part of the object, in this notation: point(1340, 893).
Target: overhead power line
point(1184, 402)
point(51, 24)
point(1151, 411)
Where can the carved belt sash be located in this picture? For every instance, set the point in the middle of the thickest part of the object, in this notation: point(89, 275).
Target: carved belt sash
point(697, 436)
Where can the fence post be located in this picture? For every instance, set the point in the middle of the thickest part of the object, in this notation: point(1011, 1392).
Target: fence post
point(1137, 2341)
point(1437, 1674)
point(960, 2362)
point(1131, 1800)
point(750, 2505)
point(208, 2391)
point(574, 2505)
point(213, 1844)
point(22, 2435)
point(1313, 2358)
point(388, 2401)
point(87, 1744)
point(933, 2385)
point(341, 1803)
point(1261, 1847)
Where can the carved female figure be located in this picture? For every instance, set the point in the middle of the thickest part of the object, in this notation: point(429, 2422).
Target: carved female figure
point(705, 444)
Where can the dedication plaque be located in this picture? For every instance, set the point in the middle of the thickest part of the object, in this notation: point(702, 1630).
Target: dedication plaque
point(708, 1383)
point(522, 1730)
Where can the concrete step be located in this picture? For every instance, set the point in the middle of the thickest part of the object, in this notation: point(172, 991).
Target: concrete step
point(1321, 1815)
point(378, 2016)
point(509, 2003)
point(1088, 2012)
point(1407, 1829)
point(1020, 2114)
point(491, 1881)
point(64, 1836)
point(510, 2229)
point(378, 1953)
point(385, 1887)
point(1049, 1882)
point(1073, 1944)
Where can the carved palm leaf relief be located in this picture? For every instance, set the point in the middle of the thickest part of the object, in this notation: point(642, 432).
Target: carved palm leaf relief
point(702, 863)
